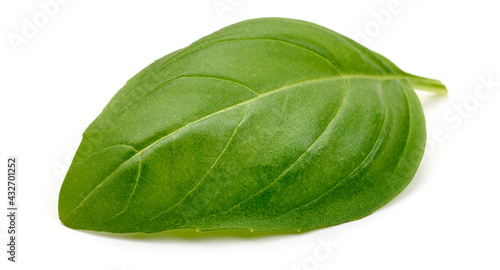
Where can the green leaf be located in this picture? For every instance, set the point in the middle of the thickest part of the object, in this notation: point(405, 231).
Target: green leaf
point(268, 124)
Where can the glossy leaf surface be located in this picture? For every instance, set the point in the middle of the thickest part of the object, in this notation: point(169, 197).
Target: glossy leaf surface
point(269, 124)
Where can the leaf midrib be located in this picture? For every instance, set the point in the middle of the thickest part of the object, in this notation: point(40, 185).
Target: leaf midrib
point(259, 96)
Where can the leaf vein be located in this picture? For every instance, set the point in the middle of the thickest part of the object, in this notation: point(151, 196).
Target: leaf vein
point(133, 191)
point(210, 169)
point(210, 44)
point(183, 77)
point(286, 170)
point(370, 154)
point(100, 185)
point(361, 52)
point(301, 47)
point(409, 132)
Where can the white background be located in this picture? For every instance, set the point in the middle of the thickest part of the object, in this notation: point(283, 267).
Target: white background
point(59, 78)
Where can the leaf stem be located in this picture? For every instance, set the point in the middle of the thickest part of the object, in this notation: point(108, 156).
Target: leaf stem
point(426, 84)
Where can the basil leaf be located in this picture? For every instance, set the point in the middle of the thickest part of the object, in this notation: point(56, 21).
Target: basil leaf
point(268, 124)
